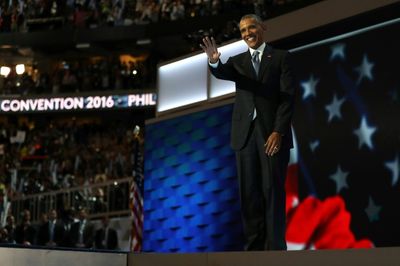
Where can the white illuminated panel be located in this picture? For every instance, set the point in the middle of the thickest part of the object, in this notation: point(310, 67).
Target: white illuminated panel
point(221, 87)
point(182, 82)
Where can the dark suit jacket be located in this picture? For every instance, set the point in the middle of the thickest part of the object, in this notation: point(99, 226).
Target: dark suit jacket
point(271, 93)
point(44, 234)
point(112, 240)
point(88, 234)
point(25, 233)
point(11, 234)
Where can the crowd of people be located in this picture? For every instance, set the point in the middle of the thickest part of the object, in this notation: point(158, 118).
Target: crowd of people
point(75, 231)
point(111, 73)
point(69, 155)
point(24, 15)
point(107, 74)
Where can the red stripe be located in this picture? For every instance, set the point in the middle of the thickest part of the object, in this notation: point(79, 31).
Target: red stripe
point(136, 204)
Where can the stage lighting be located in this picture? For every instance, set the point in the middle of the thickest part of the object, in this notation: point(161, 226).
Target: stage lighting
point(20, 69)
point(4, 71)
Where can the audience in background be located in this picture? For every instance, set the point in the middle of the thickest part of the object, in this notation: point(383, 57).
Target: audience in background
point(25, 233)
point(106, 237)
point(111, 74)
point(68, 219)
point(24, 15)
point(82, 232)
point(76, 232)
point(102, 75)
point(45, 157)
point(51, 233)
point(63, 155)
point(54, 233)
point(7, 233)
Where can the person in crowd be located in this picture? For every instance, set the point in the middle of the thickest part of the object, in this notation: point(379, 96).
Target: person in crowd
point(10, 227)
point(68, 219)
point(177, 10)
point(106, 237)
point(25, 233)
point(51, 233)
point(3, 236)
point(82, 232)
point(100, 205)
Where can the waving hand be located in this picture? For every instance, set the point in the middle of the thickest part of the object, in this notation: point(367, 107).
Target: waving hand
point(210, 48)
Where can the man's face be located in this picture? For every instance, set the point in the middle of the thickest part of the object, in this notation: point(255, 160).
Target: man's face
point(252, 32)
point(27, 215)
point(52, 215)
point(82, 215)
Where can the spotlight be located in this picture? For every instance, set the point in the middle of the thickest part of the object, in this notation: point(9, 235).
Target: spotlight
point(134, 72)
point(20, 69)
point(4, 71)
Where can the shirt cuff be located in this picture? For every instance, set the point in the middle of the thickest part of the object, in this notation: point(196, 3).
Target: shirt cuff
point(213, 65)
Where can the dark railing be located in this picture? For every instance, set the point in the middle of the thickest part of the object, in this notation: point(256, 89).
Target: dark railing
point(109, 198)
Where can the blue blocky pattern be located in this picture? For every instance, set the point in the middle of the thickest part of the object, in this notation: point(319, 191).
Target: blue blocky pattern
point(191, 199)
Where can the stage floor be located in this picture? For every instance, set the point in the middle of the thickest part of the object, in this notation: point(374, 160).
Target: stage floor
point(363, 257)
point(353, 257)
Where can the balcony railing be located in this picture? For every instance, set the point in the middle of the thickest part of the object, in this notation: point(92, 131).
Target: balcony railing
point(108, 198)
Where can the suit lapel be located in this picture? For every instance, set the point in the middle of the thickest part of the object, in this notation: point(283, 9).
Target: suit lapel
point(248, 65)
point(265, 61)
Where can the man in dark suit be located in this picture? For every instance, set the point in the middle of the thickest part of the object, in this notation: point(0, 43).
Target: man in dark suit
point(106, 237)
point(261, 131)
point(51, 233)
point(10, 227)
point(25, 233)
point(82, 232)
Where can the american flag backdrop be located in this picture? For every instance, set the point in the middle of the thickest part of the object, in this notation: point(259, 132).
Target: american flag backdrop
point(136, 199)
point(347, 123)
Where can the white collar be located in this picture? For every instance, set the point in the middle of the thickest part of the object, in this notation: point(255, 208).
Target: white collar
point(260, 49)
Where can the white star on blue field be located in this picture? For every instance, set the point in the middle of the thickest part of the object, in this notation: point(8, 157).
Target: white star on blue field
point(365, 70)
point(340, 178)
point(314, 145)
point(364, 134)
point(347, 123)
point(372, 210)
point(334, 108)
point(337, 52)
point(393, 166)
point(309, 87)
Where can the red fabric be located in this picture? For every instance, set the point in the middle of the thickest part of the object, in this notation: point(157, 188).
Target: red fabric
point(318, 224)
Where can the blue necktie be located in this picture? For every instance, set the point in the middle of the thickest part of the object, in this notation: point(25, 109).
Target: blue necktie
point(255, 59)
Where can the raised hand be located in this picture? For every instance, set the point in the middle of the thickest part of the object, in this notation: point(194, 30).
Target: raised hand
point(210, 48)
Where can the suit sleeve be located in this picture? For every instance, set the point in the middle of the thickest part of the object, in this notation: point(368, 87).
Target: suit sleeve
point(224, 71)
point(227, 71)
point(287, 92)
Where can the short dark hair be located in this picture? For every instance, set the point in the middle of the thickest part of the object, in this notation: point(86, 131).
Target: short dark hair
point(253, 16)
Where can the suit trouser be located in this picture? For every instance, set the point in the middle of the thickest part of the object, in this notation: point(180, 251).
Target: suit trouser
point(262, 192)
